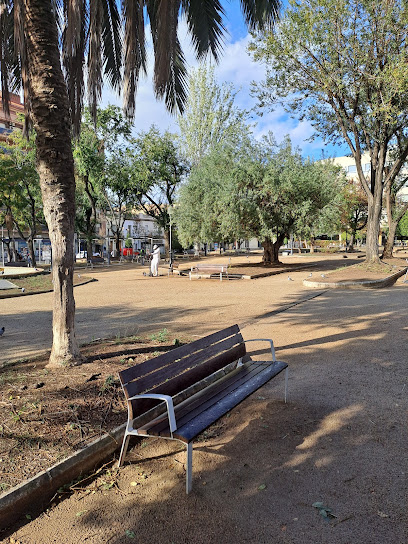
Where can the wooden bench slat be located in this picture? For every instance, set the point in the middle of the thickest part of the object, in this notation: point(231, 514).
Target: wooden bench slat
point(132, 373)
point(188, 409)
point(195, 417)
point(175, 368)
point(182, 381)
point(188, 432)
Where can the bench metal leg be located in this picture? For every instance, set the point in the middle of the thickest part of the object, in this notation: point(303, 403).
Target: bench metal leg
point(189, 471)
point(123, 451)
point(286, 383)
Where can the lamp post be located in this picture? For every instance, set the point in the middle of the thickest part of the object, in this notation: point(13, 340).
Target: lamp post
point(170, 241)
point(2, 244)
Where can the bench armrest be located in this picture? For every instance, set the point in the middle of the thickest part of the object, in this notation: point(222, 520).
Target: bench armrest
point(170, 407)
point(264, 340)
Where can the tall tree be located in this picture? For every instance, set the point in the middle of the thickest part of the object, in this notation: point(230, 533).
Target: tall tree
point(53, 93)
point(211, 118)
point(97, 142)
point(342, 65)
point(396, 208)
point(117, 196)
point(20, 189)
point(353, 211)
point(268, 192)
point(157, 171)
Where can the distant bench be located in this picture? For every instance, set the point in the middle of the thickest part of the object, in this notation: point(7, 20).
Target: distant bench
point(198, 382)
point(94, 261)
point(209, 269)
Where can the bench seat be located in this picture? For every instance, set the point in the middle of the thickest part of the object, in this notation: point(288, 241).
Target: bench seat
point(198, 412)
point(209, 269)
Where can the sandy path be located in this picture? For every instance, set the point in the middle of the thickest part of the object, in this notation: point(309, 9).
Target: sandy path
point(124, 302)
point(340, 440)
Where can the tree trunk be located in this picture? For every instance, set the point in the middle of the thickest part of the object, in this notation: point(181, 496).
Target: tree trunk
point(55, 165)
point(351, 243)
point(373, 230)
point(14, 257)
point(271, 250)
point(166, 242)
point(31, 252)
point(389, 244)
point(89, 250)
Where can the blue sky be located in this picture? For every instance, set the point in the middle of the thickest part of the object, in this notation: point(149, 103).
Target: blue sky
point(236, 67)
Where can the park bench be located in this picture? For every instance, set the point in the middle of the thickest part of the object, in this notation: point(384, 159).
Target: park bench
point(196, 384)
point(94, 261)
point(209, 269)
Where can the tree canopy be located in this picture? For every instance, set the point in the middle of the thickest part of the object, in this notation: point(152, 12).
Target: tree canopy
point(20, 195)
point(157, 169)
point(211, 118)
point(268, 193)
point(342, 66)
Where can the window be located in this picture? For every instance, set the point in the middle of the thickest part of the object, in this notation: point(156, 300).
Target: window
point(366, 167)
point(352, 169)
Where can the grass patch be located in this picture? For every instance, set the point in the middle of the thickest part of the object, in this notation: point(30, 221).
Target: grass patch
point(36, 284)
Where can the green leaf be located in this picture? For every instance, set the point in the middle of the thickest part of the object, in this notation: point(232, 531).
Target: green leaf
point(81, 513)
point(262, 487)
point(130, 534)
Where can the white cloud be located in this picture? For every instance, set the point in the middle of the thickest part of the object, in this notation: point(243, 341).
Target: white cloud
point(237, 67)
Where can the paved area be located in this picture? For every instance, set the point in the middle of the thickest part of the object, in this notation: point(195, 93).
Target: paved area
point(124, 302)
point(341, 440)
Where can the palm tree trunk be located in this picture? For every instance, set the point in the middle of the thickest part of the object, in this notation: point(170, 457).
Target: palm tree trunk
point(49, 101)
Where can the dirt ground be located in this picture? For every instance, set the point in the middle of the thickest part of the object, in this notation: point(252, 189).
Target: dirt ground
point(327, 467)
point(46, 416)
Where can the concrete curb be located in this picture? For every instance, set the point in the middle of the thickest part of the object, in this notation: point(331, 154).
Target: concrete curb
point(252, 276)
point(13, 295)
point(276, 272)
point(32, 496)
point(370, 284)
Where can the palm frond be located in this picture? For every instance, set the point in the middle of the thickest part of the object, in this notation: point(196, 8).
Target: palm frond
point(112, 42)
point(5, 20)
point(204, 19)
point(94, 56)
point(20, 75)
point(73, 56)
point(135, 52)
point(169, 67)
point(260, 14)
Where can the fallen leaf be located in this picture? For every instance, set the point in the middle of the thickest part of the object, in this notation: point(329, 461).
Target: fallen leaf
point(262, 487)
point(382, 515)
point(79, 514)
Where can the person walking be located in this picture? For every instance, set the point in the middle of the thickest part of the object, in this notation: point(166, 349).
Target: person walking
point(154, 265)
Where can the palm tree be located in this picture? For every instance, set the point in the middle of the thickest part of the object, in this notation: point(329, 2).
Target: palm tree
point(43, 48)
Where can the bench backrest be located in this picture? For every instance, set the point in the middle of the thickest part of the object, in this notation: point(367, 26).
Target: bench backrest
point(182, 367)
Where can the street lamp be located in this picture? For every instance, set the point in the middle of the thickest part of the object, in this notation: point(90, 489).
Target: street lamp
point(2, 244)
point(171, 250)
